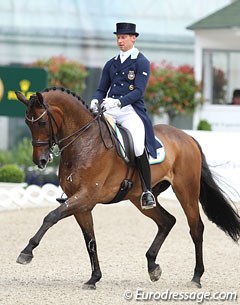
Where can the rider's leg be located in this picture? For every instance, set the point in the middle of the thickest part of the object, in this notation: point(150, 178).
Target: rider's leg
point(130, 120)
point(147, 199)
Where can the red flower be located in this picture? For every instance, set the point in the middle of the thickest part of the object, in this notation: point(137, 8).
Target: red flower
point(171, 88)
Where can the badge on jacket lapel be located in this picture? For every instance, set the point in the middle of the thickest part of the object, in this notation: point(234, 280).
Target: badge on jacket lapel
point(131, 87)
point(131, 75)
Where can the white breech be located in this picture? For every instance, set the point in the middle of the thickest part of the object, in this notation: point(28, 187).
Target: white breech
point(129, 119)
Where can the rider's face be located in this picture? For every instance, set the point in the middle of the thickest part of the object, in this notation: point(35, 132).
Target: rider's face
point(125, 42)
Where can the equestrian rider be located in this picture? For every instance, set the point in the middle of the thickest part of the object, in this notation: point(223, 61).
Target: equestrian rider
point(121, 89)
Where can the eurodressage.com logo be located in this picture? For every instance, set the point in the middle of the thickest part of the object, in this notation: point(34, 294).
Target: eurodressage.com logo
point(142, 295)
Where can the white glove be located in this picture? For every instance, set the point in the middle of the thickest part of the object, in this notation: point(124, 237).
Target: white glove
point(94, 105)
point(109, 103)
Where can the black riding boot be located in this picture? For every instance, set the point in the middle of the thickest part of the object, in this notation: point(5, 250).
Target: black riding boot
point(147, 199)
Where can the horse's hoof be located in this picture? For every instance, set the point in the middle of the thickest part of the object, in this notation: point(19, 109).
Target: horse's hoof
point(155, 274)
point(61, 200)
point(89, 286)
point(194, 284)
point(24, 258)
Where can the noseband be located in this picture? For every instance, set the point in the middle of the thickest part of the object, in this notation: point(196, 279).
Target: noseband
point(52, 140)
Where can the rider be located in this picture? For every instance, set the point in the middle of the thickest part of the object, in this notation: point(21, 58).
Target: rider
point(120, 92)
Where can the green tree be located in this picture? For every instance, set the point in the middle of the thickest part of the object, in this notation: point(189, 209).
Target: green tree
point(64, 73)
point(23, 153)
point(172, 90)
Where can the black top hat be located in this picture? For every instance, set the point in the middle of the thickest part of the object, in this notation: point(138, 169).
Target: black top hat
point(126, 28)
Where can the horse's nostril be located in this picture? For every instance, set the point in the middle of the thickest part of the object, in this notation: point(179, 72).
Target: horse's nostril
point(42, 163)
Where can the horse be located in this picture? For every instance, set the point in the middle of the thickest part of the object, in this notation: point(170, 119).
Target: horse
point(91, 171)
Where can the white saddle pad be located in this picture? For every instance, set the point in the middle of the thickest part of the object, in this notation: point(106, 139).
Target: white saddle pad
point(161, 152)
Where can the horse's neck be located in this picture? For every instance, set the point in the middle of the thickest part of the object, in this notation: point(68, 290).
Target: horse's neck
point(75, 117)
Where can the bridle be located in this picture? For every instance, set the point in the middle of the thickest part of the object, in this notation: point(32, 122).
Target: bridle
point(52, 141)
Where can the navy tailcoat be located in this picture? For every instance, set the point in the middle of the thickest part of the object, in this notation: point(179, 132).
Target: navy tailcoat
point(127, 82)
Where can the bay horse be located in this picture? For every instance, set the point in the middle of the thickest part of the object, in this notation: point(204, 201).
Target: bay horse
point(91, 171)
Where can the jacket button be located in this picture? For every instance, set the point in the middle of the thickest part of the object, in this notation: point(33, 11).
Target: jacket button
point(114, 85)
point(116, 73)
point(122, 84)
point(123, 73)
point(113, 96)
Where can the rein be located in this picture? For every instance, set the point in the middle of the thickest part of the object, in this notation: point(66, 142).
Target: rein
point(52, 141)
point(78, 133)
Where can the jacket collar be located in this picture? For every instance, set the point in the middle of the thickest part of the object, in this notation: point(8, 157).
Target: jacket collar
point(133, 55)
point(127, 62)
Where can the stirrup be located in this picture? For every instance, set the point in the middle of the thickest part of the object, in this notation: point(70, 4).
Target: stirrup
point(61, 200)
point(147, 200)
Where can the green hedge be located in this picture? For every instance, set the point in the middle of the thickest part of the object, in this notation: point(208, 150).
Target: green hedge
point(11, 173)
point(204, 125)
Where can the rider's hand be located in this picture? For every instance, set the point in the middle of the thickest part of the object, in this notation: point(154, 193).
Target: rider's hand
point(94, 105)
point(109, 103)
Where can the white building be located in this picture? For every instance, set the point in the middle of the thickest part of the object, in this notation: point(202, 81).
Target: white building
point(217, 65)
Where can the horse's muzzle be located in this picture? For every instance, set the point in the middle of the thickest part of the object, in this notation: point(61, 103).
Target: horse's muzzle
point(41, 163)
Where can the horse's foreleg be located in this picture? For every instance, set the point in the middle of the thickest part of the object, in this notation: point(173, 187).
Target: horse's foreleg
point(52, 218)
point(165, 221)
point(85, 221)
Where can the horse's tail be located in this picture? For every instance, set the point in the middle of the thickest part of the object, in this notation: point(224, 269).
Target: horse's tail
point(215, 203)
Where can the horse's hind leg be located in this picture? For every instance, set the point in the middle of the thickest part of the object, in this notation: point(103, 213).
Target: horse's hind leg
point(85, 221)
point(165, 221)
point(189, 202)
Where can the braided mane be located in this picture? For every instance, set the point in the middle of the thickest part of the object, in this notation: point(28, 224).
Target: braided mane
point(68, 92)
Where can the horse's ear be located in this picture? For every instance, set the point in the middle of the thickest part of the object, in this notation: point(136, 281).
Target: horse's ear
point(40, 98)
point(21, 98)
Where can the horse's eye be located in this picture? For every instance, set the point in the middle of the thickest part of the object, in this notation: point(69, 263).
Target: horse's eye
point(42, 123)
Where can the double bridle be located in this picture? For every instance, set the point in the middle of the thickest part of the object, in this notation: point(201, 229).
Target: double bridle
point(52, 141)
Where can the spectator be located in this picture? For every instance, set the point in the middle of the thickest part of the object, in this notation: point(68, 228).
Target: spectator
point(236, 97)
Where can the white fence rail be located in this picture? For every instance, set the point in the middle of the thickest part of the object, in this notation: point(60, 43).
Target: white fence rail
point(13, 196)
point(222, 150)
